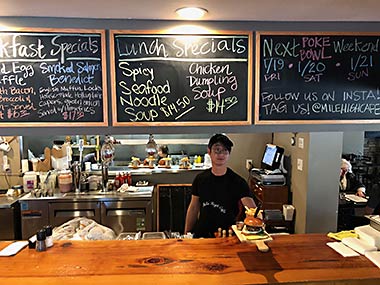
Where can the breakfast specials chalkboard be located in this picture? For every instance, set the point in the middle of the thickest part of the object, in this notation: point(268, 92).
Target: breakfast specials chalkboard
point(52, 77)
point(166, 79)
point(304, 78)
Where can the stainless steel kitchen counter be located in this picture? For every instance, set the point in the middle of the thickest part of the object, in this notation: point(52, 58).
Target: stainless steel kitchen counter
point(158, 175)
point(9, 218)
point(143, 192)
point(7, 201)
point(113, 170)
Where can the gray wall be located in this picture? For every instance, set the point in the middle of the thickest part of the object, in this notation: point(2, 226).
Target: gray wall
point(323, 182)
point(108, 24)
point(314, 189)
point(353, 142)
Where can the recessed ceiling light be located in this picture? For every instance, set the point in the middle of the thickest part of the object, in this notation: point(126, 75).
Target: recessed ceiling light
point(191, 13)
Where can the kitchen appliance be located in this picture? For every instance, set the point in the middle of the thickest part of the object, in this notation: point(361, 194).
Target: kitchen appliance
point(268, 177)
point(10, 222)
point(107, 153)
point(128, 216)
point(120, 212)
point(62, 212)
point(151, 146)
point(34, 216)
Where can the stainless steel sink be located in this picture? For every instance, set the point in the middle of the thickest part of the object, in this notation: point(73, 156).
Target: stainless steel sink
point(30, 196)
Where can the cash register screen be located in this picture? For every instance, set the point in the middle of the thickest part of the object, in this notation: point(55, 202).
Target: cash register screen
point(272, 157)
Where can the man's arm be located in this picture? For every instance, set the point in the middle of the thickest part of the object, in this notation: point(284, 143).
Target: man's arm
point(360, 192)
point(192, 214)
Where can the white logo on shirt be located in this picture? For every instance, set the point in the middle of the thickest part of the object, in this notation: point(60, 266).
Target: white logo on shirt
point(212, 204)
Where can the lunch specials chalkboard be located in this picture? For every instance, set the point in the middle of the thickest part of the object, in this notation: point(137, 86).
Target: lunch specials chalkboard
point(304, 78)
point(165, 79)
point(52, 77)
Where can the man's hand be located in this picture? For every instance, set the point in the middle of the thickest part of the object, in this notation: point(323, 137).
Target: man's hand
point(360, 193)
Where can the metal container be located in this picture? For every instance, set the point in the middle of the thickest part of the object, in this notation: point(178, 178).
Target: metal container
point(65, 181)
point(128, 236)
point(153, 235)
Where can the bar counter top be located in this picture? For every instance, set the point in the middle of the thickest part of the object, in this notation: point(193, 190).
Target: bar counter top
point(7, 201)
point(292, 259)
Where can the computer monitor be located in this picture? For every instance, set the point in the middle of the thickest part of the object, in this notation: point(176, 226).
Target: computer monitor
point(272, 157)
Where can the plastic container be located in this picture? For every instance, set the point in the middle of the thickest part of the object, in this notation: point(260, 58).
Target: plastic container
point(65, 181)
point(288, 211)
point(30, 181)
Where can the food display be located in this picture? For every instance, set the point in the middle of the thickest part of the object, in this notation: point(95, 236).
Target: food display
point(165, 162)
point(185, 163)
point(253, 224)
point(135, 162)
point(149, 161)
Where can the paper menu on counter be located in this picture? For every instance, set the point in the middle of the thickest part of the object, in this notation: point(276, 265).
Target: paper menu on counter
point(358, 245)
point(342, 249)
point(13, 248)
point(374, 256)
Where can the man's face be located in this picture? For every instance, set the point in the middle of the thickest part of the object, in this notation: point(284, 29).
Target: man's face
point(343, 170)
point(219, 154)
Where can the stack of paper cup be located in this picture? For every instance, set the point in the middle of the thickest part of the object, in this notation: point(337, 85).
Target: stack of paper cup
point(24, 165)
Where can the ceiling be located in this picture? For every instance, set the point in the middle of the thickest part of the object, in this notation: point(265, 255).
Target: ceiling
point(225, 10)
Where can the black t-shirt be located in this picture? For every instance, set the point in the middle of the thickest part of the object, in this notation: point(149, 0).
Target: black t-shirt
point(374, 198)
point(219, 198)
point(352, 183)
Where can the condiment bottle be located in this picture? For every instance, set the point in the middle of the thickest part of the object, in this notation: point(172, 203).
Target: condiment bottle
point(129, 178)
point(41, 240)
point(117, 181)
point(124, 178)
point(49, 236)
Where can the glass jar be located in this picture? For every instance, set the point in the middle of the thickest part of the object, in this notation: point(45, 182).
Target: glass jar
point(65, 181)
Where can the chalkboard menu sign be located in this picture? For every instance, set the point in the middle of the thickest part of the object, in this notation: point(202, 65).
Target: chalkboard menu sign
point(52, 77)
point(167, 79)
point(314, 77)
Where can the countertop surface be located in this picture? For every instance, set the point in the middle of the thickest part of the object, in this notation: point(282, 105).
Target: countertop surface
point(292, 259)
point(7, 201)
point(139, 192)
point(145, 170)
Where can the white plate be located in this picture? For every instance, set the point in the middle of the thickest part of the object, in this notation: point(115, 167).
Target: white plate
point(142, 183)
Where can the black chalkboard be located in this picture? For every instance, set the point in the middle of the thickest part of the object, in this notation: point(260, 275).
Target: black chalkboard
point(52, 77)
point(322, 77)
point(166, 79)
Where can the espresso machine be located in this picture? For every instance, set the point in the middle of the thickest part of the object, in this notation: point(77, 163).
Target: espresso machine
point(77, 168)
point(107, 154)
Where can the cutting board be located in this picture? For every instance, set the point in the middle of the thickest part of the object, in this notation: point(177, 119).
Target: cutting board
point(258, 239)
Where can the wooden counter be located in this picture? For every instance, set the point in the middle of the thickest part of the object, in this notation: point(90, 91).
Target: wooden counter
point(295, 259)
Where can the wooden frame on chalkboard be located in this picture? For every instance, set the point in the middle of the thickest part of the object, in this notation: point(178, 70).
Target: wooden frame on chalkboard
point(145, 60)
point(317, 77)
point(54, 77)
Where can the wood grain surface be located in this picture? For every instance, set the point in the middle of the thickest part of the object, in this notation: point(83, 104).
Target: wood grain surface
point(294, 259)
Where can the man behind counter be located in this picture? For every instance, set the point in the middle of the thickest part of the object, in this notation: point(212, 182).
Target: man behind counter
point(348, 182)
point(216, 193)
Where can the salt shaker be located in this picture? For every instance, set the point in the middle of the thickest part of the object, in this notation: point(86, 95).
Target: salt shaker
point(41, 240)
point(49, 236)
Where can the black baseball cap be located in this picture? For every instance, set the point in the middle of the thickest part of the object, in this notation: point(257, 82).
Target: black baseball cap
point(222, 139)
